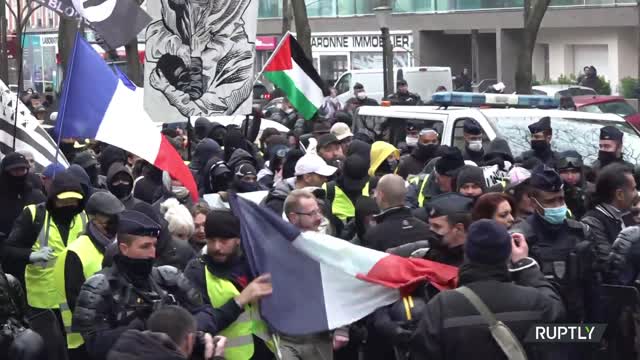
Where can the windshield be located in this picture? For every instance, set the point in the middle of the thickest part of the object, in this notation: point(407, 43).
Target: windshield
point(575, 92)
point(621, 108)
point(568, 134)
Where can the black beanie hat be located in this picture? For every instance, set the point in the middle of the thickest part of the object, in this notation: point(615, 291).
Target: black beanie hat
point(222, 224)
point(471, 174)
point(487, 243)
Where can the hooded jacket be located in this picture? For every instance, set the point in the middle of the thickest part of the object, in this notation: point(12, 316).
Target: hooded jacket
point(138, 345)
point(25, 233)
point(84, 179)
point(276, 197)
point(129, 201)
point(240, 156)
point(14, 197)
point(380, 151)
point(205, 150)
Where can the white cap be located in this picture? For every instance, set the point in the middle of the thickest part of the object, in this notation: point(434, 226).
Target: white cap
point(341, 131)
point(313, 164)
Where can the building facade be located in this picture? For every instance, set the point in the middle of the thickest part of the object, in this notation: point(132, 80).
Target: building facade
point(482, 35)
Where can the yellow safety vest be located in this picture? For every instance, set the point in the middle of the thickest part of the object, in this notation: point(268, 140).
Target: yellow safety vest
point(240, 333)
point(91, 259)
point(342, 207)
point(421, 196)
point(39, 277)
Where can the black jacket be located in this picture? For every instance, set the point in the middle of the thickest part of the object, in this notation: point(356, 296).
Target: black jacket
point(530, 159)
point(396, 226)
point(109, 304)
point(430, 189)
point(605, 229)
point(475, 156)
point(13, 199)
point(129, 201)
point(450, 327)
point(139, 345)
point(13, 302)
point(405, 99)
point(276, 197)
point(413, 164)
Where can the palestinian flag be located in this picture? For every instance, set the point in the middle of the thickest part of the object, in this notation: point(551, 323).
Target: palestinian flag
point(290, 70)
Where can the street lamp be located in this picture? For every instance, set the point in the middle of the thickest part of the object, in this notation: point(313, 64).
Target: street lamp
point(383, 14)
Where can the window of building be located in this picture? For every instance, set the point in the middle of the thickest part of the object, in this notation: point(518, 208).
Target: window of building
point(39, 23)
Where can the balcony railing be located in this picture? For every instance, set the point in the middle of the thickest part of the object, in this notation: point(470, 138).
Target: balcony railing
point(337, 8)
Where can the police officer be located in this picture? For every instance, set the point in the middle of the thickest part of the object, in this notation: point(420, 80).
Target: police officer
point(472, 132)
point(402, 96)
point(570, 168)
point(40, 235)
point(560, 245)
point(359, 98)
point(17, 341)
point(610, 149)
point(123, 296)
point(221, 276)
point(440, 181)
point(83, 258)
point(540, 152)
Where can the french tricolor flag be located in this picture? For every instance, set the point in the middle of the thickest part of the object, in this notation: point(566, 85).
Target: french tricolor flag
point(97, 103)
point(320, 282)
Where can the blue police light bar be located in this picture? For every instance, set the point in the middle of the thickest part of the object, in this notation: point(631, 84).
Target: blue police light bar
point(467, 99)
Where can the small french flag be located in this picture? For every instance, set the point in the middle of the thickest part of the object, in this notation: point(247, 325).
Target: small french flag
point(99, 104)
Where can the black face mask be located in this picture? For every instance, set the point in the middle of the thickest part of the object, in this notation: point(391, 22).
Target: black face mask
point(16, 182)
point(120, 191)
point(539, 146)
point(66, 213)
point(606, 157)
point(137, 270)
point(426, 151)
point(245, 186)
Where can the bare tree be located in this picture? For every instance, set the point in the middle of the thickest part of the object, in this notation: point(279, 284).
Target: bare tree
point(21, 13)
point(534, 11)
point(287, 16)
point(303, 30)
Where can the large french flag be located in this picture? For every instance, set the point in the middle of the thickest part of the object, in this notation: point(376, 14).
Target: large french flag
point(98, 103)
point(320, 282)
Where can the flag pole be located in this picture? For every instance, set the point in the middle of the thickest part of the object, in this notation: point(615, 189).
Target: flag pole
point(274, 53)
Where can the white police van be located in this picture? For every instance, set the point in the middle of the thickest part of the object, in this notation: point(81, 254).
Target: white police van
point(572, 130)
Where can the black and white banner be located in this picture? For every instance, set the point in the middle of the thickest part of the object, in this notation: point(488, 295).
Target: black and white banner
point(30, 135)
point(117, 21)
point(199, 58)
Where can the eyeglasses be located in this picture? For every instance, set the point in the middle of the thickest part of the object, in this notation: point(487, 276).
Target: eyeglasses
point(569, 162)
point(313, 213)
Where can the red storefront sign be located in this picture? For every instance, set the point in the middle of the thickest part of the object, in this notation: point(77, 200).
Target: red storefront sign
point(266, 43)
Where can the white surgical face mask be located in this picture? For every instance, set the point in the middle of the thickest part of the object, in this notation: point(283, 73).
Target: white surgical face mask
point(362, 95)
point(411, 140)
point(475, 145)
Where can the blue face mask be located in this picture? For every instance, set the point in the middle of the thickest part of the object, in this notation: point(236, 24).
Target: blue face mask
point(554, 215)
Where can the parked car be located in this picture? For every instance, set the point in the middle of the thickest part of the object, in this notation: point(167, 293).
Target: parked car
point(558, 90)
point(604, 104)
point(572, 130)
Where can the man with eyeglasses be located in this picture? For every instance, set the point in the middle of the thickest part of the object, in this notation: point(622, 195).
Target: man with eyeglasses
point(570, 168)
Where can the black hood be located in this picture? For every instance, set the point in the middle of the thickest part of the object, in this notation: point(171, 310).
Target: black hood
point(77, 171)
point(205, 150)
point(201, 128)
point(240, 156)
point(109, 156)
point(217, 177)
point(63, 182)
point(116, 169)
point(233, 141)
point(361, 148)
point(499, 146)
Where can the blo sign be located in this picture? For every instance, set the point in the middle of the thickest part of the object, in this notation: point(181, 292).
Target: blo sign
point(358, 41)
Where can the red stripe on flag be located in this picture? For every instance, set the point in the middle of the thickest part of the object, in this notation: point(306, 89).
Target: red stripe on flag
point(170, 161)
point(281, 60)
point(406, 273)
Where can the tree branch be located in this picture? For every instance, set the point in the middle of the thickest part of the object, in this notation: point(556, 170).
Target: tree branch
point(29, 13)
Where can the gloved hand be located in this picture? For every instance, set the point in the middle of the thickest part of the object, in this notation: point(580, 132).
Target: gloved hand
point(43, 255)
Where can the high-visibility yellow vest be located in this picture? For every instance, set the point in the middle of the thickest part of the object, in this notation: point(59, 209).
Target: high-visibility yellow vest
point(342, 207)
point(39, 277)
point(240, 333)
point(91, 259)
point(421, 196)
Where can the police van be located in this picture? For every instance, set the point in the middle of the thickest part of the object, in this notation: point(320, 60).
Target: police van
point(572, 130)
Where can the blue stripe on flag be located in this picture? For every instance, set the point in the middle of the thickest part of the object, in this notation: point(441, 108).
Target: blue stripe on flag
point(297, 305)
point(86, 95)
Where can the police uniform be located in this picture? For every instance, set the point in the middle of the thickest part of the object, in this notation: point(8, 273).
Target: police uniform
point(544, 155)
point(404, 98)
point(472, 127)
point(447, 205)
point(81, 260)
point(124, 295)
point(609, 133)
point(563, 250)
point(574, 195)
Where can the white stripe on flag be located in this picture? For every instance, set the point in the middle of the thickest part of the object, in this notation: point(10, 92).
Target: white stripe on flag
point(128, 126)
point(38, 157)
point(347, 298)
point(305, 84)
